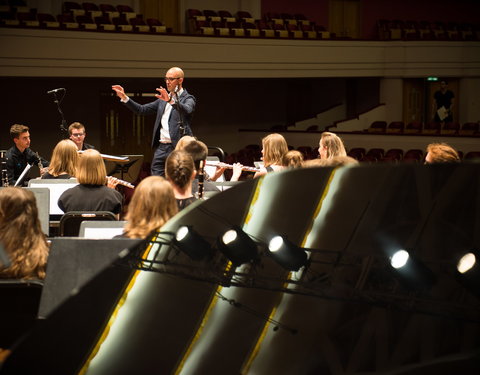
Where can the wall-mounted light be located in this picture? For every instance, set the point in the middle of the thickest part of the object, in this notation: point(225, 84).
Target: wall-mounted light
point(285, 253)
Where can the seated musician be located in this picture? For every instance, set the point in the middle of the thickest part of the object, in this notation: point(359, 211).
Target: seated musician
point(143, 217)
point(331, 145)
point(92, 194)
point(180, 172)
point(274, 147)
point(64, 161)
point(21, 235)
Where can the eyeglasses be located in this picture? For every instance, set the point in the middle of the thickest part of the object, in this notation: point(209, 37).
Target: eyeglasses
point(78, 134)
point(170, 79)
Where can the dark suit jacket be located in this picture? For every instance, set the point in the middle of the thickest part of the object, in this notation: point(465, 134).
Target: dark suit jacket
point(186, 107)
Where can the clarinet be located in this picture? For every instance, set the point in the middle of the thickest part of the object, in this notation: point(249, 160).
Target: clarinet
point(39, 163)
point(201, 178)
point(3, 158)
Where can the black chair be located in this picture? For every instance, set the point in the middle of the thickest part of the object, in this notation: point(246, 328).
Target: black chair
point(20, 302)
point(70, 221)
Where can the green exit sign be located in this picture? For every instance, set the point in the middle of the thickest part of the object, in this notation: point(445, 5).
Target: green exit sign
point(432, 78)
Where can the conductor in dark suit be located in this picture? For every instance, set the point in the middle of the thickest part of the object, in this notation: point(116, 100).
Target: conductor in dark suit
point(173, 108)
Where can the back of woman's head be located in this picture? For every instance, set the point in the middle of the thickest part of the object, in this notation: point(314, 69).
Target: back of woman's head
point(293, 159)
point(274, 147)
point(64, 158)
point(22, 234)
point(333, 144)
point(185, 140)
point(153, 203)
point(91, 168)
point(179, 168)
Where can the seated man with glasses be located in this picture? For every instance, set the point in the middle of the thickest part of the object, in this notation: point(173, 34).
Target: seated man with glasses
point(173, 109)
point(77, 134)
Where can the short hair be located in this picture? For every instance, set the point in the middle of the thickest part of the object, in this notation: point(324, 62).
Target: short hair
point(182, 142)
point(91, 168)
point(143, 217)
point(27, 248)
point(274, 147)
point(198, 151)
point(293, 159)
point(75, 125)
point(64, 158)
point(17, 129)
point(442, 153)
point(334, 144)
point(179, 168)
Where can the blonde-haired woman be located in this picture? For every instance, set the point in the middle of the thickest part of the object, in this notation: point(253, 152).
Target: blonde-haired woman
point(64, 161)
point(143, 215)
point(91, 194)
point(21, 235)
point(274, 147)
point(330, 145)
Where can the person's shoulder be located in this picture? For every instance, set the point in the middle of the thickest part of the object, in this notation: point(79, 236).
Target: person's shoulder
point(87, 146)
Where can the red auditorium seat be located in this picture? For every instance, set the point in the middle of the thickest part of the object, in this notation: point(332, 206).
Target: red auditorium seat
point(377, 153)
point(294, 31)
point(204, 28)
point(109, 10)
point(86, 23)
point(92, 10)
point(251, 29)
point(469, 128)
point(413, 127)
point(309, 31)
point(265, 29)
point(28, 19)
point(74, 8)
point(357, 153)
point(431, 127)
point(378, 127)
point(393, 155)
point(413, 156)
point(226, 16)
point(67, 22)
point(104, 24)
point(156, 25)
point(450, 128)
point(48, 21)
point(236, 28)
point(211, 15)
point(472, 155)
point(122, 24)
point(395, 127)
point(280, 31)
point(139, 25)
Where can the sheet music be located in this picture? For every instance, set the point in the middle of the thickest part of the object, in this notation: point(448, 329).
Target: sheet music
point(20, 179)
point(442, 113)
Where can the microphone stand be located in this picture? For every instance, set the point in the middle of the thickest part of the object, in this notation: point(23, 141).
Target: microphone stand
point(63, 125)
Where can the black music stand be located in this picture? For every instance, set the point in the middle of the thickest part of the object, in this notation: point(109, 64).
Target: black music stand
point(127, 171)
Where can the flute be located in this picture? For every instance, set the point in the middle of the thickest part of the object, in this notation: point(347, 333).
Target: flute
point(230, 166)
point(124, 183)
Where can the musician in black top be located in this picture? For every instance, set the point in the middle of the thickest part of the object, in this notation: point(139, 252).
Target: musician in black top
point(20, 155)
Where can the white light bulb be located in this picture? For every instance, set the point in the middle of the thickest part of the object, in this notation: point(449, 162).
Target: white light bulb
point(275, 243)
point(466, 263)
point(399, 259)
point(229, 236)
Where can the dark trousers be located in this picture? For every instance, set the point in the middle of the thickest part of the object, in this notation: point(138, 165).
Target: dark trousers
point(159, 157)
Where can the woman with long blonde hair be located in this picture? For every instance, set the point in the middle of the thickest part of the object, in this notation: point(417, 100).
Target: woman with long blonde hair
point(64, 161)
point(330, 145)
point(152, 205)
point(21, 235)
point(274, 147)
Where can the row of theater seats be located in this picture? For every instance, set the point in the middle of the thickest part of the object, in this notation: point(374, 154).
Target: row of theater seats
point(88, 16)
point(416, 127)
point(242, 24)
point(426, 30)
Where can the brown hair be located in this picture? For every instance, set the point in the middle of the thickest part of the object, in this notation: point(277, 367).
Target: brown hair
point(17, 129)
point(197, 150)
point(76, 125)
point(292, 159)
point(91, 168)
point(179, 168)
point(274, 147)
point(182, 142)
point(64, 158)
point(22, 234)
point(152, 205)
point(442, 153)
point(334, 145)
